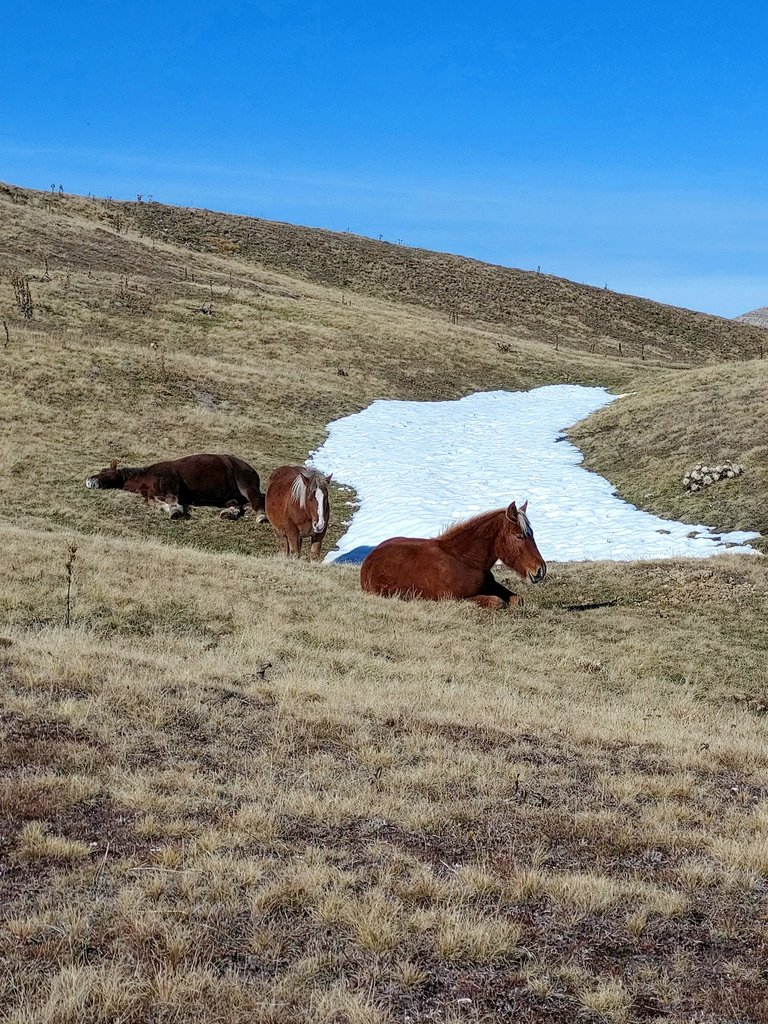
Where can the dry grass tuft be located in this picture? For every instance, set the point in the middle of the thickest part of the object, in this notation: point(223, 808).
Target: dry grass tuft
point(36, 843)
point(608, 1001)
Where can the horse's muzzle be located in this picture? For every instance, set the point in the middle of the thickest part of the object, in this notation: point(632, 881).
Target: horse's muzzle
point(91, 482)
point(538, 576)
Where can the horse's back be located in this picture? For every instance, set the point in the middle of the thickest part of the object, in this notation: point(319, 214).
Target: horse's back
point(205, 462)
point(204, 478)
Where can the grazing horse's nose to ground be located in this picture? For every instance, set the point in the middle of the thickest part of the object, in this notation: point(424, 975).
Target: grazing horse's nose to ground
point(91, 481)
point(538, 576)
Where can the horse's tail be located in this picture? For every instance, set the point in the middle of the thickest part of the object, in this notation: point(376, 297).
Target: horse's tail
point(249, 485)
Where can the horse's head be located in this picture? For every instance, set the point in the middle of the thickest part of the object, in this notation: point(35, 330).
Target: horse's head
point(515, 545)
point(317, 505)
point(106, 478)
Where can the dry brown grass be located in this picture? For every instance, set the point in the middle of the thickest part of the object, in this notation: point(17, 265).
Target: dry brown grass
point(645, 442)
point(413, 806)
point(536, 306)
point(234, 790)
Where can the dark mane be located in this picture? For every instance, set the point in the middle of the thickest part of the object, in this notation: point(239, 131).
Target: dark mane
point(126, 472)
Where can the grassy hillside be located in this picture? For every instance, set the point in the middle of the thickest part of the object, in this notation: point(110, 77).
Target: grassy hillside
point(118, 361)
point(645, 442)
point(532, 305)
point(236, 790)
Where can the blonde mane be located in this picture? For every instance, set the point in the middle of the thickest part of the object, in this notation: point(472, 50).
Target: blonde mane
point(305, 477)
point(524, 524)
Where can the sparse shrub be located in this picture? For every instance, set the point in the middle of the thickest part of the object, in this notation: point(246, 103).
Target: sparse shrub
point(131, 298)
point(20, 285)
point(70, 568)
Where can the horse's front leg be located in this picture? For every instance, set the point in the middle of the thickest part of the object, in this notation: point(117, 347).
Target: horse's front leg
point(495, 594)
point(293, 538)
point(232, 510)
point(317, 543)
point(492, 586)
point(282, 540)
point(489, 601)
point(175, 509)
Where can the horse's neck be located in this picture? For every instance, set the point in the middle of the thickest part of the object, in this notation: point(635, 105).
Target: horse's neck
point(475, 542)
point(132, 477)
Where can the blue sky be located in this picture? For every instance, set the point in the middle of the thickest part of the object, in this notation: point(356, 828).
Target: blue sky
point(618, 144)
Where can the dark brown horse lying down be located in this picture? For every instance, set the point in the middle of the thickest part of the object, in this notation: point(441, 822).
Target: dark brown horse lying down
point(457, 564)
point(220, 481)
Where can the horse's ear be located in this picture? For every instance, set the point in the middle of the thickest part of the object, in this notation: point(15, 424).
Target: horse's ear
point(329, 478)
point(524, 506)
point(512, 511)
point(113, 464)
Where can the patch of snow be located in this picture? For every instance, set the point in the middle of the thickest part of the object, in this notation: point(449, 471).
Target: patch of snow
point(417, 467)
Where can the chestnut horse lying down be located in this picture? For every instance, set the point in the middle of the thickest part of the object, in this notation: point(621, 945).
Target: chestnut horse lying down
point(457, 564)
point(297, 506)
point(221, 481)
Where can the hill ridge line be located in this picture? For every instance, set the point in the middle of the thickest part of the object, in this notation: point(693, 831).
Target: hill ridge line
point(540, 306)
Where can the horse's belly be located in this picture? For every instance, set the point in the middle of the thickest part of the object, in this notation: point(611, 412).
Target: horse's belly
point(208, 491)
point(414, 568)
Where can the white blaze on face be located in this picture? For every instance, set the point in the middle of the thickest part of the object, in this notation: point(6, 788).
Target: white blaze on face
point(319, 523)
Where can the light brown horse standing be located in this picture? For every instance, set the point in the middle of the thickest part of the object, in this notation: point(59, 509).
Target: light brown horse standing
point(457, 564)
point(297, 507)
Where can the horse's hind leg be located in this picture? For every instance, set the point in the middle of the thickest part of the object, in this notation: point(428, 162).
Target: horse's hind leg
point(255, 498)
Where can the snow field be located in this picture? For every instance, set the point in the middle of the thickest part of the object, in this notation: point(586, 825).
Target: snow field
point(417, 467)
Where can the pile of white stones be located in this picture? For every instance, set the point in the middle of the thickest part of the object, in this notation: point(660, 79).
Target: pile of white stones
point(702, 476)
